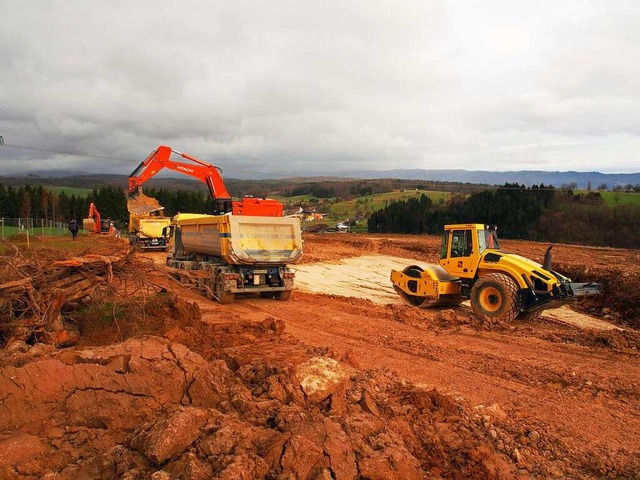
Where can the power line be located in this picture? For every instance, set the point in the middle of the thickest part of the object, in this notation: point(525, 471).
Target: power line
point(59, 152)
point(107, 157)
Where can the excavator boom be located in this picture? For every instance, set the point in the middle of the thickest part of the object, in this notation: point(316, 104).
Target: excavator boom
point(208, 174)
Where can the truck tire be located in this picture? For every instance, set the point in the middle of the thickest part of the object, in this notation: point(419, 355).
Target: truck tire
point(283, 296)
point(224, 297)
point(495, 297)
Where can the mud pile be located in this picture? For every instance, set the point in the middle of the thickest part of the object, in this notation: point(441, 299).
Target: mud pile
point(244, 400)
point(620, 302)
point(151, 407)
point(152, 391)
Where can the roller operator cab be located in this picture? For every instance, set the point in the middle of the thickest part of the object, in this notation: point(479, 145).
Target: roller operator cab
point(500, 286)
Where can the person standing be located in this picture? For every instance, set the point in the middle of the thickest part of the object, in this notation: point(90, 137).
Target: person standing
point(73, 228)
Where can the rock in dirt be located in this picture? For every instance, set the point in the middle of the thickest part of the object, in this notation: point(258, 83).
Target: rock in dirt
point(321, 377)
point(169, 436)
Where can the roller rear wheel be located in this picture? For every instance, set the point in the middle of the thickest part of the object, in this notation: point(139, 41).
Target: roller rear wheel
point(529, 316)
point(495, 297)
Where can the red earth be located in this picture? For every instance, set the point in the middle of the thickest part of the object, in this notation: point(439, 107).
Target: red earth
point(341, 381)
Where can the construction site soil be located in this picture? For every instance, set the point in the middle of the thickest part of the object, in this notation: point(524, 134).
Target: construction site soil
point(342, 381)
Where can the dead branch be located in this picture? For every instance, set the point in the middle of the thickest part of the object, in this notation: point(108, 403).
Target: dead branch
point(40, 293)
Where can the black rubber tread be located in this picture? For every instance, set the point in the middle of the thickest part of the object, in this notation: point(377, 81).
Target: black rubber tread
point(208, 289)
point(507, 288)
point(282, 295)
point(224, 297)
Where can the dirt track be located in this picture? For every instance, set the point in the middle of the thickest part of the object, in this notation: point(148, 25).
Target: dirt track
point(557, 397)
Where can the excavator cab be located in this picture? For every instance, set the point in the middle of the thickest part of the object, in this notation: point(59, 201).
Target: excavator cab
point(105, 226)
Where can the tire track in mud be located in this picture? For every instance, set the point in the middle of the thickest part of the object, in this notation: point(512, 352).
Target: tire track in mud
point(514, 374)
point(548, 375)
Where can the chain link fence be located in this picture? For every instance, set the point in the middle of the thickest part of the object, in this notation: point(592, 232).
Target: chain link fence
point(34, 226)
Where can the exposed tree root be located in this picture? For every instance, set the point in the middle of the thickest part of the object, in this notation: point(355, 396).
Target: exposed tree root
point(39, 295)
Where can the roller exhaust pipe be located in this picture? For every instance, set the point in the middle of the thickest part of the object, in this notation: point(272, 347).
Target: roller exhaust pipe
point(547, 259)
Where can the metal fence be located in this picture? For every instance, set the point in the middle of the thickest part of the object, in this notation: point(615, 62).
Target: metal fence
point(35, 226)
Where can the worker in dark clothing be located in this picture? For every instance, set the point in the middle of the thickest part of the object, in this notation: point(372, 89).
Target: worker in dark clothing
point(73, 228)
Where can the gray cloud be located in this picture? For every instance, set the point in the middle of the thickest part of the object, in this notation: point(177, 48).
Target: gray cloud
point(287, 87)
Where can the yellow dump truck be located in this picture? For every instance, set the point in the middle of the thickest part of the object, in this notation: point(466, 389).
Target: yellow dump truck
point(147, 223)
point(235, 254)
point(146, 231)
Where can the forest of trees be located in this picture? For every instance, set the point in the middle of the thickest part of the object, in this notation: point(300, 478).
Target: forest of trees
point(37, 202)
point(538, 213)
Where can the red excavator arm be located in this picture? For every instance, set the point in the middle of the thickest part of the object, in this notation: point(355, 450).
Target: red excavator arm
point(94, 224)
point(95, 216)
point(209, 174)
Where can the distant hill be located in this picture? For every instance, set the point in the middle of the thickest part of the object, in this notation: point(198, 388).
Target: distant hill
point(48, 173)
point(523, 177)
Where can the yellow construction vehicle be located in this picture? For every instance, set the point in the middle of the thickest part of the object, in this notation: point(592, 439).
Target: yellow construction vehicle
point(236, 254)
point(501, 286)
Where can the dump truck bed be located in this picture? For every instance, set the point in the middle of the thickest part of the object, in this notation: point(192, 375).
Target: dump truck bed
point(150, 226)
point(242, 239)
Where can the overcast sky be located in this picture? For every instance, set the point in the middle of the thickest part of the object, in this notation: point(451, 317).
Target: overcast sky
point(291, 87)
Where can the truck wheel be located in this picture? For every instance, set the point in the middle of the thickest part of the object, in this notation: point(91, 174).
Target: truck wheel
point(224, 297)
point(495, 297)
point(283, 296)
point(208, 289)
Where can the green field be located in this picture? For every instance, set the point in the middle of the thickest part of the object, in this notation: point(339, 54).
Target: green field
point(621, 198)
point(340, 210)
point(292, 200)
point(370, 203)
point(6, 231)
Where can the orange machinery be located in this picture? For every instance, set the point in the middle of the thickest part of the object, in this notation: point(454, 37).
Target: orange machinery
point(210, 175)
point(93, 223)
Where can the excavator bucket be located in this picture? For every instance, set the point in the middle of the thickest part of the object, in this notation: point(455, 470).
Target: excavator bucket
point(426, 288)
point(140, 204)
point(88, 224)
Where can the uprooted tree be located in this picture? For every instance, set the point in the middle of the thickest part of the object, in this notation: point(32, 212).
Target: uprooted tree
point(40, 294)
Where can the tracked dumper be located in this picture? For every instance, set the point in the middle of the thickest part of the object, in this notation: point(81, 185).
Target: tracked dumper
point(229, 254)
point(501, 286)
